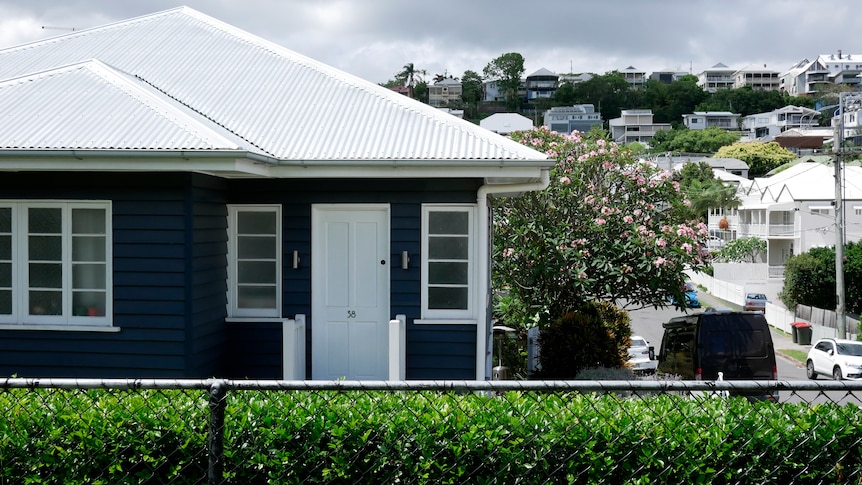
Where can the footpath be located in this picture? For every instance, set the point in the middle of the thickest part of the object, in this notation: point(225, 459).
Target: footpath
point(780, 340)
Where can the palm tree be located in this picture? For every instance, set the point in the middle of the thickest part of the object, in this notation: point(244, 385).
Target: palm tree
point(409, 76)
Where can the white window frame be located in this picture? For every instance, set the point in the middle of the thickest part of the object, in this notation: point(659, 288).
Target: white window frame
point(444, 316)
point(823, 210)
point(233, 310)
point(20, 318)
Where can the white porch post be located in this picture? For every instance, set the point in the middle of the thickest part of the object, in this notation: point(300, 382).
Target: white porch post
point(398, 348)
point(293, 349)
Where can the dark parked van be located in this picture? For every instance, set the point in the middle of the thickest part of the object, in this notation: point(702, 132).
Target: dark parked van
point(738, 344)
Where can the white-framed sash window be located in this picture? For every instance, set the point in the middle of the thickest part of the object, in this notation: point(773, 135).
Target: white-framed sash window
point(448, 262)
point(254, 261)
point(55, 264)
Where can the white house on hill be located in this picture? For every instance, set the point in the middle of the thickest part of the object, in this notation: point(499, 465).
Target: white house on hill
point(505, 123)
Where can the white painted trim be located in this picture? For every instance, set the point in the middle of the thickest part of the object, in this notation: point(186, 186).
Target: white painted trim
point(473, 244)
point(293, 349)
point(484, 359)
point(398, 348)
point(232, 309)
point(445, 321)
point(67, 320)
point(61, 328)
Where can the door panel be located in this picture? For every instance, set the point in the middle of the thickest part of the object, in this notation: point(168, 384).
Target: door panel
point(350, 292)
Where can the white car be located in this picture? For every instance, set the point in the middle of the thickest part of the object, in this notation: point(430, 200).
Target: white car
point(642, 356)
point(714, 243)
point(841, 359)
point(755, 302)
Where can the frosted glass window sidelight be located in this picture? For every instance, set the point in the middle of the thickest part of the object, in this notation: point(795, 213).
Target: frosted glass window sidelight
point(255, 261)
point(448, 237)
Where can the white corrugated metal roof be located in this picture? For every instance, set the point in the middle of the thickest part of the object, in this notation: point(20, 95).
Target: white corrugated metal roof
point(182, 80)
point(55, 110)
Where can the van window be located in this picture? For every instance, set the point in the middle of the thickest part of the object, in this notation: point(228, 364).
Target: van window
point(716, 343)
point(752, 343)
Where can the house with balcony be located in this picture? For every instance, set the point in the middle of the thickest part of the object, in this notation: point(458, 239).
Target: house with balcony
point(566, 119)
point(541, 85)
point(805, 77)
point(701, 120)
point(635, 125)
point(493, 91)
point(667, 75)
point(760, 79)
point(635, 77)
point(716, 77)
point(766, 126)
point(793, 211)
point(850, 121)
point(442, 92)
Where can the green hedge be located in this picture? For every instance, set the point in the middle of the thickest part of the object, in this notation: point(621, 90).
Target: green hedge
point(58, 436)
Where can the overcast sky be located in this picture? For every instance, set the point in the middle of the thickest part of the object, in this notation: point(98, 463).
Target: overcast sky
point(374, 39)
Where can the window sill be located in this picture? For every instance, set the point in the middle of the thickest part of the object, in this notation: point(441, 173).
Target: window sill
point(445, 321)
point(256, 319)
point(60, 328)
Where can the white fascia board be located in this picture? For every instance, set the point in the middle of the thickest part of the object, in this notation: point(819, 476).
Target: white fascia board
point(360, 171)
point(82, 162)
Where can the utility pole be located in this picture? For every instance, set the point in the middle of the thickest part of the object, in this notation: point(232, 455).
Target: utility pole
point(838, 136)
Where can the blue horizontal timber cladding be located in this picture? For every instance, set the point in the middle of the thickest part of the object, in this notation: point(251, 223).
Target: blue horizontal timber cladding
point(167, 279)
point(405, 198)
point(170, 276)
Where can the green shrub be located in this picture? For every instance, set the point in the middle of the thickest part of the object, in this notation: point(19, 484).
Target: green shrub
point(595, 336)
point(60, 436)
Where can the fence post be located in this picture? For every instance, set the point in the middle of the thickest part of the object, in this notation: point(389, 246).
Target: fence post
point(215, 472)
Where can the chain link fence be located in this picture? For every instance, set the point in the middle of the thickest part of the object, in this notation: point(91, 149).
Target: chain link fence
point(221, 431)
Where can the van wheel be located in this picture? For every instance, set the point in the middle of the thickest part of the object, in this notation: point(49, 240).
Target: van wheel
point(836, 373)
point(809, 370)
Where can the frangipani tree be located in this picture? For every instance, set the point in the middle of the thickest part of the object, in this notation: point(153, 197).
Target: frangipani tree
point(608, 228)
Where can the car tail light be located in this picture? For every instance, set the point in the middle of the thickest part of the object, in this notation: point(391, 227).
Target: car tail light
point(698, 374)
point(774, 373)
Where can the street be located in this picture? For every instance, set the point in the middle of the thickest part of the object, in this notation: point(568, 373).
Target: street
point(647, 323)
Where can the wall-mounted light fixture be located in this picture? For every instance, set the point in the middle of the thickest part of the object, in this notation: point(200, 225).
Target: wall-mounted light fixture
point(295, 259)
point(405, 260)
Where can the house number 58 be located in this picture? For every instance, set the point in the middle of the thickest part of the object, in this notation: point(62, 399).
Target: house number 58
point(351, 314)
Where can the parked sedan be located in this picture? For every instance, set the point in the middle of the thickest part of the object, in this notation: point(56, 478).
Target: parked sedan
point(839, 358)
point(642, 356)
point(755, 302)
point(690, 296)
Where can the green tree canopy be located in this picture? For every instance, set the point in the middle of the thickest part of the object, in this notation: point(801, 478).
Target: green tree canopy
point(743, 250)
point(471, 93)
point(507, 70)
point(608, 228)
point(747, 101)
point(610, 93)
point(670, 101)
point(684, 140)
point(565, 95)
point(410, 76)
point(760, 157)
point(697, 181)
point(809, 279)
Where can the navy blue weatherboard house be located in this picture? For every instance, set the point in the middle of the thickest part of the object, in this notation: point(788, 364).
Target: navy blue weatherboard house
point(179, 198)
